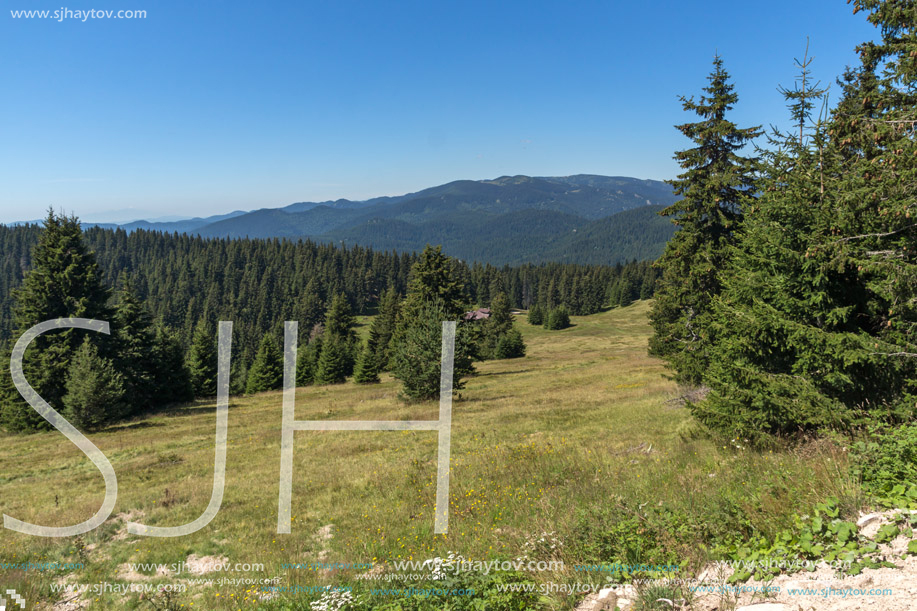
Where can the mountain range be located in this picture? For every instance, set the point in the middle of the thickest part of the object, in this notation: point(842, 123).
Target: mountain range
point(583, 218)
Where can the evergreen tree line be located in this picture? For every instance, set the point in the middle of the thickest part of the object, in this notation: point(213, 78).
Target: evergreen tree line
point(790, 287)
point(165, 293)
point(92, 378)
point(404, 337)
point(183, 280)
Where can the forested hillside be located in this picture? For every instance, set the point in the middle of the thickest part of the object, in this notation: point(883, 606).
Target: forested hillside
point(513, 220)
point(183, 280)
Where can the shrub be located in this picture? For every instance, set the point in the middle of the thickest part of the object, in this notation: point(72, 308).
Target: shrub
point(888, 458)
point(510, 345)
point(557, 319)
point(95, 390)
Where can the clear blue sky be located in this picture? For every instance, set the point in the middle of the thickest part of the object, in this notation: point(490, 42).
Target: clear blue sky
point(209, 106)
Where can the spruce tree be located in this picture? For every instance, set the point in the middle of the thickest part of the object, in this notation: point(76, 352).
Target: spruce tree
point(495, 330)
point(65, 281)
point(434, 278)
point(624, 292)
point(171, 381)
point(339, 320)
point(510, 345)
point(266, 372)
point(417, 352)
point(202, 361)
point(339, 331)
point(335, 362)
point(7, 389)
point(134, 349)
point(647, 284)
point(367, 367)
point(717, 184)
point(95, 392)
point(307, 361)
point(770, 319)
point(816, 319)
point(536, 315)
point(383, 328)
point(435, 288)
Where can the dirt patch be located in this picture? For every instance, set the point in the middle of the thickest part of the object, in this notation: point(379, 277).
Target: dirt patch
point(323, 536)
point(124, 517)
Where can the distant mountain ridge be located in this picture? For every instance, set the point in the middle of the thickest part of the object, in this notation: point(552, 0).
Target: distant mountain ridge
point(510, 219)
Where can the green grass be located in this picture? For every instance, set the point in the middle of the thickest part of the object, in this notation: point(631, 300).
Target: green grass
point(580, 438)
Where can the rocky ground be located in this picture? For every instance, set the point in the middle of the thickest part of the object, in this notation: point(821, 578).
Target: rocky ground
point(883, 589)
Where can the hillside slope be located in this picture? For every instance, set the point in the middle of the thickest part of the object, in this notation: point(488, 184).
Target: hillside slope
point(507, 220)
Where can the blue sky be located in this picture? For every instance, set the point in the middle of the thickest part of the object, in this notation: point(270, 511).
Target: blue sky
point(205, 107)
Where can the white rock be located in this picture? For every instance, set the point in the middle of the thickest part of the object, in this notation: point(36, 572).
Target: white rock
point(870, 517)
point(606, 593)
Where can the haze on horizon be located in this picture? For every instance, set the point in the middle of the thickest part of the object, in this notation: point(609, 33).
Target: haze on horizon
point(207, 108)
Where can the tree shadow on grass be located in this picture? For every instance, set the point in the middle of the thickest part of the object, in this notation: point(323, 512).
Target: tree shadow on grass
point(142, 421)
point(132, 426)
point(500, 373)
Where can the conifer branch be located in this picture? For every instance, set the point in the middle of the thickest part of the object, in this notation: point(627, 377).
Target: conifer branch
point(877, 235)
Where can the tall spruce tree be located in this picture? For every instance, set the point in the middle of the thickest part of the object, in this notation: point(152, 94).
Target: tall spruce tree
point(557, 319)
point(134, 350)
point(307, 360)
point(436, 293)
point(266, 372)
point(817, 319)
point(536, 315)
point(376, 354)
point(416, 355)
point(340, 338)
point(170, 375)
point(383, 327)
point(718, 183)
point(65, 281)
point(435, 277)
point(335, 362)
point(510, 346)
point(775, 308)
point(202, 361)
point(339, 320)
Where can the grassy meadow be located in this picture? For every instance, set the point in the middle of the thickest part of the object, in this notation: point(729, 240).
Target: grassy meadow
point(584, 438)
